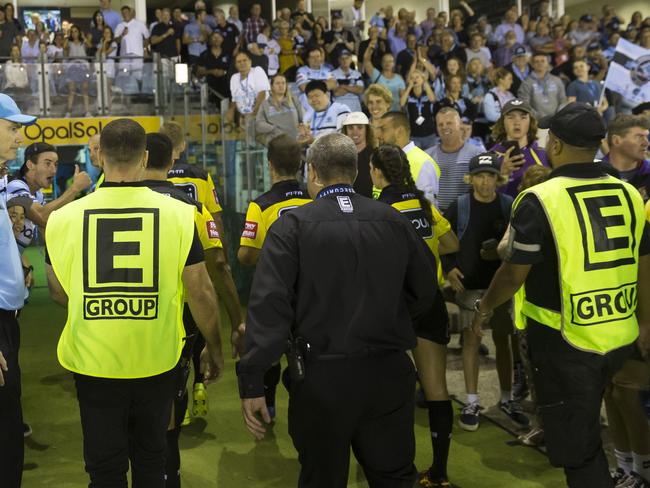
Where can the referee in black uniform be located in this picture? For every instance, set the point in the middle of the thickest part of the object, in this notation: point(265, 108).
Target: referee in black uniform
point(341, 278)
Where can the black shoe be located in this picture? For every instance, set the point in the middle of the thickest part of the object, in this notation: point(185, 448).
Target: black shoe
point(520, 388)
point(469, 417)
point(513, 410)
point(27, 430)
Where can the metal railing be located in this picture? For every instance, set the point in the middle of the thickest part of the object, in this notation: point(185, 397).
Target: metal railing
point(137, 86)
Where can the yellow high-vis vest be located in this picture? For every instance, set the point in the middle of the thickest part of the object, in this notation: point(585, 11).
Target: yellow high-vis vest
point(119, 254)
point(597, 225)
point(417, 160)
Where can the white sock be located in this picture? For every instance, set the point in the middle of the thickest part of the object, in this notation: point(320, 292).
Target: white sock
point(641, 465)
point(506, 396)
point(623, 460)
point(472, 398)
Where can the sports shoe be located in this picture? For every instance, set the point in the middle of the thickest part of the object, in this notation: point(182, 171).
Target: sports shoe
point(632, 480)
point(533, 438)
point(27, 430)
point(468, 419)
point(513, 410)
point(520, 386)
point(617, 475)
point(425, 480)
point(186, 419)
point(200, 405)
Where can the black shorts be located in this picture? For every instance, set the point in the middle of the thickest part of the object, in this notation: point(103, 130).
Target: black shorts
point(434, 325)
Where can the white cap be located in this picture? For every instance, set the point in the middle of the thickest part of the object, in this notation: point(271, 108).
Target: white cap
point(356, 118)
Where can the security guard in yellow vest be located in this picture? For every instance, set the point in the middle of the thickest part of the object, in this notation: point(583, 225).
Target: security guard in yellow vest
point(580, 246)
point(394, 128)
point(123, 285)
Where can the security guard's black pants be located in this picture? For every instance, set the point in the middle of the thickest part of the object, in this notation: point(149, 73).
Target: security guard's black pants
point(366, 403)
point(570, 385)
point(122, 421)
point(12, 448)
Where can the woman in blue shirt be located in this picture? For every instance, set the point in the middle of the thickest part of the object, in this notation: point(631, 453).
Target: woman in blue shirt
point(387, 77)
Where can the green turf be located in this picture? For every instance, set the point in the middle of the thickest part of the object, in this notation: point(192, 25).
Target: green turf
point(218, 451)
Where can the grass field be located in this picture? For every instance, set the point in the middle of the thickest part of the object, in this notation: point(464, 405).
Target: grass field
point(217, 451)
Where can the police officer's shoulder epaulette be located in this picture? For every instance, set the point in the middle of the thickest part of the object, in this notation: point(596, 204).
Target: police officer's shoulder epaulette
point(186, 170)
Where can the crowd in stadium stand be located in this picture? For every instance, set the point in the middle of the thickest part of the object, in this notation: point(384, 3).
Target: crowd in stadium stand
point(452, 58)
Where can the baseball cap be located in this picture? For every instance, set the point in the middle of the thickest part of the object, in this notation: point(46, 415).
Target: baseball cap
point(488, 162)
point(519, 50)
point(516, 104)
point(594, 46)
point(37, 148)
point(337, 15)
point(10, 111)
point(345, 52)
point(586, 18)
point(356, 118)
point(577, 124)
point(20, 201)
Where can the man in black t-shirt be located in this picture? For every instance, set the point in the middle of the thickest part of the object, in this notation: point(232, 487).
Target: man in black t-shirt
point(337, 40)
point(214, 63)
point(228, 31)
point(8, 33)
point(480, 219)
point(165, 39)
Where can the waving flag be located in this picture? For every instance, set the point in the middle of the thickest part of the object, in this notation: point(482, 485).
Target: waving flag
point(629, 72)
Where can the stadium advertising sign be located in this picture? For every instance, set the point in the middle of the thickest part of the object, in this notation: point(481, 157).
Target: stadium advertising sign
point(76, 131)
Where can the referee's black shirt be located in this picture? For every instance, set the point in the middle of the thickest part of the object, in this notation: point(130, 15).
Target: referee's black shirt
point(344, 272)
point(531, 241)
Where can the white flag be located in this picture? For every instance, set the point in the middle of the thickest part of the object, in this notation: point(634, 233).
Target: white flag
point(629, 72)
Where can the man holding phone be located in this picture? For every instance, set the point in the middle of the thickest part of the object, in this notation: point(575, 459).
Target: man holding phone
point(515, 134)
point(479, 219)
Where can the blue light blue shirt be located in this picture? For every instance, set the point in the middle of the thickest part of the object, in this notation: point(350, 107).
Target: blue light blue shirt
point(111, 18)
point(194, 31)
point(12, 280)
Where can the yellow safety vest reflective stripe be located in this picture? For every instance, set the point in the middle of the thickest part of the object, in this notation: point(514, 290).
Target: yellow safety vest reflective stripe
point(119, 254)
point(597, 225)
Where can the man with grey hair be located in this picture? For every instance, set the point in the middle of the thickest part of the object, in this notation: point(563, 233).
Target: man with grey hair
point(362, 256)
point(452, 154)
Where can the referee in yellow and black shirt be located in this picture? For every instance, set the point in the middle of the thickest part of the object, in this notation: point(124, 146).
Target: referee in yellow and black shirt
point(284, 155)
point(580, 250)
point(123, 285)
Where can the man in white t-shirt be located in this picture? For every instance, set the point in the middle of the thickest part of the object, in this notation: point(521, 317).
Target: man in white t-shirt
point(249, 87)
point(323, 116)
point(133, 36)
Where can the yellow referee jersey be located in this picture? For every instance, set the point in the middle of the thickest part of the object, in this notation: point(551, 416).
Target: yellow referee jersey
point(197, 183)
point(267, 208)
point(409, 205)
point(203, 221)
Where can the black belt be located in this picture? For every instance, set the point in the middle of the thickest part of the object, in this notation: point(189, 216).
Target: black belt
point(365, 353)
point(8, 313)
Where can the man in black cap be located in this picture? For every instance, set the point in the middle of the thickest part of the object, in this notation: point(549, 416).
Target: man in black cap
point(580, 247)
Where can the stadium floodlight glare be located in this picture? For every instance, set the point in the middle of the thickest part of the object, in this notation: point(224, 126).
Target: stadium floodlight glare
point(182, 73)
